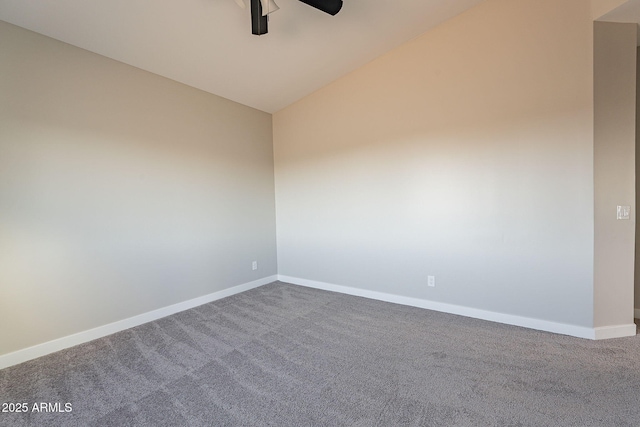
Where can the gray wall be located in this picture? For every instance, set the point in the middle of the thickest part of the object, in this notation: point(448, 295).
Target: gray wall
point(614, 170)
point(466, 153)
point(120, 191)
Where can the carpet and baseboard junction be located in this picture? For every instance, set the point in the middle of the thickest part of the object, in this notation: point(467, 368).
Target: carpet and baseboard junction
point(287, 355)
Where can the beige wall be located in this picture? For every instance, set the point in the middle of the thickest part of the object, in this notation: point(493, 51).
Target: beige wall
point(120, 191)
point(466, 154)
point(637, 261)
point(614, 170)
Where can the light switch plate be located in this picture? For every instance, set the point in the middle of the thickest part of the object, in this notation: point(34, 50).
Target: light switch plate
point(623, 212)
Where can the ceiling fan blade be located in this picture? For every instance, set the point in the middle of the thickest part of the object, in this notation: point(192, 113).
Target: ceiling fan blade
point(241, 3)
point(329, 6)
point(268, 6)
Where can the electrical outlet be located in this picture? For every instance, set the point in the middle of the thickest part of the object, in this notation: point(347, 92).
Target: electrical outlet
point(623, 212)
point(431, 281)
point(254, 265)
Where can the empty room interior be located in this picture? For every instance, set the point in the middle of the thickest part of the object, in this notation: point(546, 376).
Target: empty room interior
point(318, 212)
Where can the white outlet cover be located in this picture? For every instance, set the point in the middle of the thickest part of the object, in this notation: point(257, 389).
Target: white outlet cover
point(623, 212)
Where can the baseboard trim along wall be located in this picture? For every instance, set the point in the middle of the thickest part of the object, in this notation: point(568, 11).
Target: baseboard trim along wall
point(20, 356)
point(43, 349)
point(617, 331)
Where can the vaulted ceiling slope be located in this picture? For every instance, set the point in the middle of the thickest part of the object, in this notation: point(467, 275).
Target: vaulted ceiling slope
point(208, 44)
point(628, 11)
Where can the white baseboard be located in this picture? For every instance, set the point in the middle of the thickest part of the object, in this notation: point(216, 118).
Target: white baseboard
point(509, 319)
point(617, 331)
point(43, 349)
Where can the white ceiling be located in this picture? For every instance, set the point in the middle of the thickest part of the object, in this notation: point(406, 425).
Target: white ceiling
point(628, 12)
point(208, 44)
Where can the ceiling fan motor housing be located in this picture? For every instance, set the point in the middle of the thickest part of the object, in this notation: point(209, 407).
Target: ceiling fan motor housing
point(259, 23)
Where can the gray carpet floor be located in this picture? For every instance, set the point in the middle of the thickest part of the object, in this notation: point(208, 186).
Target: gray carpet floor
point(284, 355)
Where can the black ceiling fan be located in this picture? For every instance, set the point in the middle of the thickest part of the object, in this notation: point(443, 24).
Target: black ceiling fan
point(260, 10)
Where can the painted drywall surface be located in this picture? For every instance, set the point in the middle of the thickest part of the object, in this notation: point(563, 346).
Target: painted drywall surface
point(637, 260)
point(465, 154)
point(120, 191)
point(614, 170)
